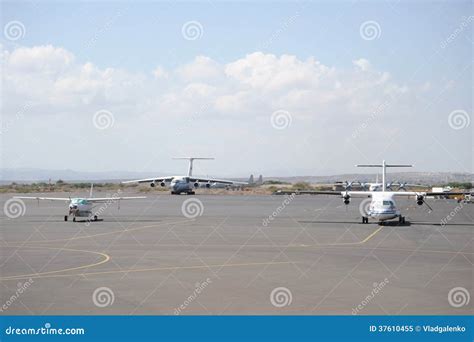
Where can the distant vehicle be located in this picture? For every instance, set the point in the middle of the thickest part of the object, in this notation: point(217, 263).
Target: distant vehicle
point(185, 184)
point(382, 206)
point(83, 207)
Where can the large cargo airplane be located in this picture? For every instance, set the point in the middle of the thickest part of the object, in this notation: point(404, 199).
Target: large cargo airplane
point(186, 184)
point(83, 207)
point(383, 206)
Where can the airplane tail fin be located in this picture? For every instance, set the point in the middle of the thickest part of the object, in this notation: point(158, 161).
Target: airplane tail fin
point(251, 180)
point(191, 159)
point(260, 180)
point(384, 171)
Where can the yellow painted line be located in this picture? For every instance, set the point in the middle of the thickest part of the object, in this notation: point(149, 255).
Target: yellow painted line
point(371, 236)
point(40, 274)
point(347, 243)
point(170, 268)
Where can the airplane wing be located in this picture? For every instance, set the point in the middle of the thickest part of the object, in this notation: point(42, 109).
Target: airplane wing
point(334, 193)
point(112, 199)
point(149, 180)
point(64, 199)
point(221, 181)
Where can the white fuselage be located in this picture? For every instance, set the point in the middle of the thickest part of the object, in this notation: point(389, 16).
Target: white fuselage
point(383, 207)
point(80, 207)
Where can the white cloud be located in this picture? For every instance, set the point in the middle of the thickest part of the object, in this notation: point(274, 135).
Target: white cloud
point(223, 102)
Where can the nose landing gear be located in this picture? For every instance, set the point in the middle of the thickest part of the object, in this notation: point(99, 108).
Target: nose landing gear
point(365, 219)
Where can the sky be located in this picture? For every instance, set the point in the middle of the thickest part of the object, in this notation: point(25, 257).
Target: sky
point(279, 88)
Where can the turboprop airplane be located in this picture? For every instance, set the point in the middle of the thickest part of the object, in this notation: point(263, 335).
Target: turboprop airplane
point(382, 205)
point(83, 207)
point(186, 184)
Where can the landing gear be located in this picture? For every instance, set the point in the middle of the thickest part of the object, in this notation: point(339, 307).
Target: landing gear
point(191, 193)
point(74, 219)
point(365, 219)
point(401, 219)
point(95, 217)
point(65, 218)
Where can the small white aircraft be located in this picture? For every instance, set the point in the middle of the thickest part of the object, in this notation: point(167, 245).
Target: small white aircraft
point(83, 207)
point(186, 184)
point(382, 206)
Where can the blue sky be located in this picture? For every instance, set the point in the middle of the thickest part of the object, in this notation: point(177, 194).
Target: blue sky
point(148, 32)
point(139, 37)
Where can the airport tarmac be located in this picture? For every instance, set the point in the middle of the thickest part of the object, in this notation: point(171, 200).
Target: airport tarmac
point(313, 258)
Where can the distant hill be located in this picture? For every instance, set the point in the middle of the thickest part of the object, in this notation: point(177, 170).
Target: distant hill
point(28, 175)
point(41, 175)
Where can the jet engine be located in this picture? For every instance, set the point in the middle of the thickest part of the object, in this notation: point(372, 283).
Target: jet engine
point(152, 184)
point(163, 184)
point(196, 184)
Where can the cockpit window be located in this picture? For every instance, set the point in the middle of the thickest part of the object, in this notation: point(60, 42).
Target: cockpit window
point(387, 203)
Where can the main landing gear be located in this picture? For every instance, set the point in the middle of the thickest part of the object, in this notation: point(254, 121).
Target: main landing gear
point(365, 219)
point(401, 219)
point(95, 218)
point(179, 193)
